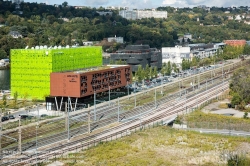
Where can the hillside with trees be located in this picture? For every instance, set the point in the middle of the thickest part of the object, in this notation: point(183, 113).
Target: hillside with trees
point(41, 24)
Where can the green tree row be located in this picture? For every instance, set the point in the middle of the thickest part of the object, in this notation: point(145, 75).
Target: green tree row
point(240, 87)
point(146, 73)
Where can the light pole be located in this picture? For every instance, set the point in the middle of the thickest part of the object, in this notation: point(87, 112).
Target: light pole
point(193, 83)
point(94, 106)
point(155, 99)
point(37, 125)
point(113, 92)
point(20, 136)
point(199, 80)
point(135, 98)
point(109, 95)
point(128, 88)
point(161, 85)
point(1, 132)
point(179, 89)
point(222, 74)
point(36, 142)
point(186, 100)
point(118, 112)
point(140, 118)
point(206, 84)
point(68, 118)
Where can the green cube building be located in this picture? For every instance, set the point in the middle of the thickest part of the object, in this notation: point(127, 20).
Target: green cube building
point(31, 68)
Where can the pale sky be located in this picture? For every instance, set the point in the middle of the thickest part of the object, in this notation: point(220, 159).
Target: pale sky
point(142, 4)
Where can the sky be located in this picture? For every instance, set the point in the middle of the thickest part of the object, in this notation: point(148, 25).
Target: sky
point(143, 4)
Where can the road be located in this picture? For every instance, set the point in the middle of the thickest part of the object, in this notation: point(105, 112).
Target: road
point(224, 132)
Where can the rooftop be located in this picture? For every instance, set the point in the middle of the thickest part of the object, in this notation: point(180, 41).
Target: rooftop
point(85, 70)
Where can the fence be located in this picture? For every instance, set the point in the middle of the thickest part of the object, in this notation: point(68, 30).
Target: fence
point(230, 125)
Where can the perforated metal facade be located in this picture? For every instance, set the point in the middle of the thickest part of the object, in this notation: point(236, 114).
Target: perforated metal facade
point(31, 68)
point(81, 84)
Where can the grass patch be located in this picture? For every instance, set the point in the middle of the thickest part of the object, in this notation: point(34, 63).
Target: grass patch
point(223, 105)
point(160, 146)
point(199, 119)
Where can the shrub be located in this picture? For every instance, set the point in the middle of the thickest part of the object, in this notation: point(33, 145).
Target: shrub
point(238, 160)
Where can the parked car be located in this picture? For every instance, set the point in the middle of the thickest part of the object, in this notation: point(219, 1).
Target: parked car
point(5, 118)
point(11, 117)
point(44, 115)
point(26, 116)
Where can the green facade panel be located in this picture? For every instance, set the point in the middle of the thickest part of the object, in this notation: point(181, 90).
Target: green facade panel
point(31, 68)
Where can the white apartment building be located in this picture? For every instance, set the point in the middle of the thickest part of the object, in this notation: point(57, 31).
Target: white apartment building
point(17, 1)
point(139, 14)
point(202, 50)
point(115, 39)
point(102, 13)
point(175, 54)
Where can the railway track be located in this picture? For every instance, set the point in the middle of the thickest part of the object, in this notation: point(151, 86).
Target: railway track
point(111, 118)
point(163, 112)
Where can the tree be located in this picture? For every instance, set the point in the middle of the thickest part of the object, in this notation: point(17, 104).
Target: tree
point(155, 71)
point(174, 66)
point(169, 68)
point(4, 104)
point(240, 86)
point(151, 72)
point(245, 116)
point(185, 64)
point(2, 54)
point(147, 72)
point(65, 4)
point(246, 50)
point(15, 100)
point(140, 73)
point(164, 68)
point(236, 99)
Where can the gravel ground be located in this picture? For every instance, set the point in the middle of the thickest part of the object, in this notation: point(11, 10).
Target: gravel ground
point(215, 109)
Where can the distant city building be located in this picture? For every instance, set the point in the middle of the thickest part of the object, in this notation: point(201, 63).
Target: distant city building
point(238, 18)
point(175, 54)
point(202, 50)
point(102, 13)
point(80, 7)
point(65, 19)
point(247, 22)
point(188, 36)
point(4, 62)
point(139, 14)
point(230, 17)
point(17, 1)
point(88, 43)
point(136, 55)
point(15, 34)
point(112, 8)
point(115, 39)
point(235, 42)
point(204, 7)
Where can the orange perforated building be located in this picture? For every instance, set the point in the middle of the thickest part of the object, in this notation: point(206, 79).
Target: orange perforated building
point(235, 42)
point(86, 82)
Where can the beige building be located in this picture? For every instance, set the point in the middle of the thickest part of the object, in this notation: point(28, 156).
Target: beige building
point(139, 14)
